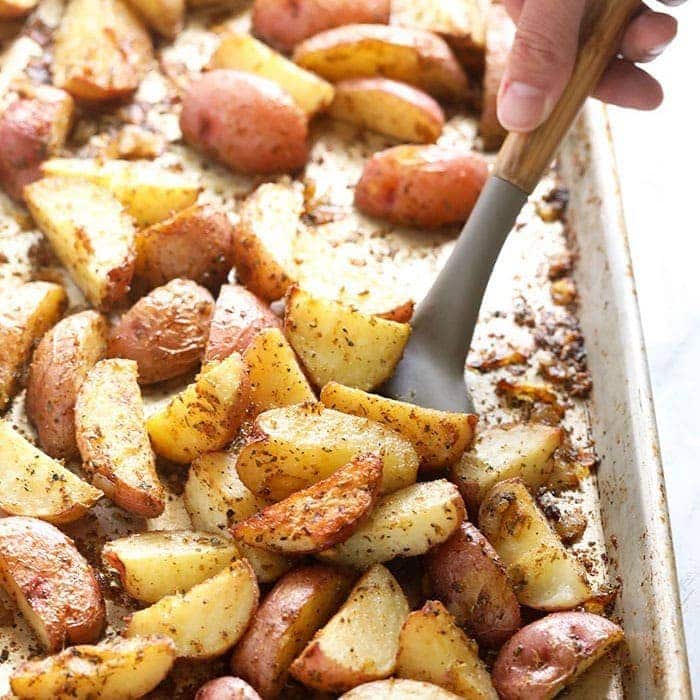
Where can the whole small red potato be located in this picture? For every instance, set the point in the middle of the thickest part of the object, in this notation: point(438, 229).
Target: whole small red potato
point(284, 23)
point(226, 688)
point(424, 186)
point(246, 122)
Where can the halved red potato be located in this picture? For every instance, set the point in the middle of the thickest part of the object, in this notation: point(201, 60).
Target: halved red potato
point(424, 186)
point(398, 689)
point(51, 583)
point(226, 688)
point(549, 654)
point(246, 122)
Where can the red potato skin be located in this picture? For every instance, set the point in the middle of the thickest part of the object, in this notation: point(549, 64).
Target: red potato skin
point(245, 122)
point(543, 657)
point(424, 186)
point(226, 688)
point(285, 23)
point(238, 317)
point(469, 578)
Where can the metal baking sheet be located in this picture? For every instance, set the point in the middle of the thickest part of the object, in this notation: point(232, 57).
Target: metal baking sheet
point(626, 546)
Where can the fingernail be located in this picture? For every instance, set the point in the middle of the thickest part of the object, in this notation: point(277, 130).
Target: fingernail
point(657, 50)
point(522, 107)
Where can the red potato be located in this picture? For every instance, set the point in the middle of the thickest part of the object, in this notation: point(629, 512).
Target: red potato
point(549, 654)
point(14, 9)
point(284, 24)
point(238, 317)
point(247, 122)
point(226, 688)
point(424, 186)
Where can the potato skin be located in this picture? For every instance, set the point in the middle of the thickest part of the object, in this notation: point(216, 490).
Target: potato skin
point(246, 122)
point(165, 332)
point(59, 366)
point(226, 688)
point(284, 24)
point(425, 186)
point(469, 578)
point(546, 655)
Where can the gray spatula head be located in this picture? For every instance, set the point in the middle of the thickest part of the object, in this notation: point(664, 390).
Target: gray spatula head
point(431, 373)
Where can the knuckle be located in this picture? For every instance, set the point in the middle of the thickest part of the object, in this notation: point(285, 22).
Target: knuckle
point(540, 52)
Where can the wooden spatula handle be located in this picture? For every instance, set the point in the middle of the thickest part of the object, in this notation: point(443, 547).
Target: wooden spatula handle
point(524, 158)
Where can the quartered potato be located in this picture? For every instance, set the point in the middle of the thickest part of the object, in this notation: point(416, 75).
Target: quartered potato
point(165, 16)
point(27, 312)
point(51, 583)
point(439, 437)
point(90, 234)
point(291, 448)
point(360, 642)
point(113, 670)
point(545, 575)
point(434, 649)
point(35, 485)
point(337, 343)
point(398, 689)
point(226, 688)
point(301, 602)
point(113, 441)
point(206, 621)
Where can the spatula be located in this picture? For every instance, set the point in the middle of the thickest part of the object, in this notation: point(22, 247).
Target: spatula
point(431, 372)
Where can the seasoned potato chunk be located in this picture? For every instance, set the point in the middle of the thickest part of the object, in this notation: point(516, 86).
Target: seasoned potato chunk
point(152, 565)
point(439, 437)
point(398, 689)
point(165, 16)
point(113, 441)
point(66, 605)
point(226, 688)
point(112, 670)
point(337, 343)
point(207, 620)
point(432, 648)
point(291, 448)
point(360, 642)
point(35, 485)
point(404, 524)
point(27, 312)
point(546, 576)
point(89, 232)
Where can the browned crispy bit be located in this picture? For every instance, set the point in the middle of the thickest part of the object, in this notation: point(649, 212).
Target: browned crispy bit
point(502, 357)
point(525, 391)
point(569, 524)
point(560, 265)
point(563, 291)
point(570, 466)
point(553, 205)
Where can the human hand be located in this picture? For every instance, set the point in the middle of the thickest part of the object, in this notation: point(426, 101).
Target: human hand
point(544, 52)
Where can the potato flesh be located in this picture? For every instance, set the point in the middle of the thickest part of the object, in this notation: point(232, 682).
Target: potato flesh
point(165, 16)
point(113, 670)
point(404, 524)
point(152, 565)
point(297, 446)
point(207, 620)
point(398, 689)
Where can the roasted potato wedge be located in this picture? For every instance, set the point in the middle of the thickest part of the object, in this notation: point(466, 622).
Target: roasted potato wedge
point(113, 441)
point(237, 319)
point(360, 642)
point(149, 193)
point(404, 524)
point(59, 366)
point(550, 653)
point(13, 9)
point(102, 50)
point(51, 583)
point(423, 186)
point(196, 244)
point(207, 620)
point(152, 565)
point(244, 52)
point(27, 312)
point(165, 332)
point(504, 452)
point(115, 669)
point(301, 602)
point(318, 517)
point(398, 689)
point(226, 688)
point(546, 576)
point(439, 437)
point(165, 16)
point(89, 232)
point(433, 648)
point(205, 416)
point(389, 107)
point(291, 448)
point(469, 578)
point(337, 343)
point(35, 485)
point(411, 56)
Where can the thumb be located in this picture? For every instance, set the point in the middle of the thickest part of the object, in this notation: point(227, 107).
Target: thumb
point(540, 62)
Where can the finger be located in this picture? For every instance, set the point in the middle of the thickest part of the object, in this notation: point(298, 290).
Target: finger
point(540, 62)
point(673, 3)
point(627, 85)
point(647, 36)
point(513, 8)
